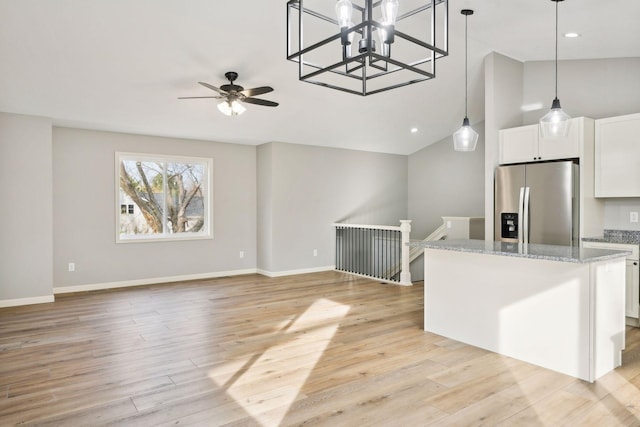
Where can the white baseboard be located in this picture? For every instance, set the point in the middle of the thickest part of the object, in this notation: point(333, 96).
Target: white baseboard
point(26, 301)
point(293, 272)
point(151, 281)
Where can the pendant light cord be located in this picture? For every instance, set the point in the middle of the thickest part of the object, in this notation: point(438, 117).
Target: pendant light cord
point(466, 68)
point(556, 1)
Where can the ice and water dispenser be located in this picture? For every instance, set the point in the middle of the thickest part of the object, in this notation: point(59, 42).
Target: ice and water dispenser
point(509, 223)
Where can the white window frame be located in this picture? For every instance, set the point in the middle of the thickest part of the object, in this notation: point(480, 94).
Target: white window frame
point(207, 230)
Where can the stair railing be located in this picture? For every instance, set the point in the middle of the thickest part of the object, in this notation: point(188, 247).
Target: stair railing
point(375, 251)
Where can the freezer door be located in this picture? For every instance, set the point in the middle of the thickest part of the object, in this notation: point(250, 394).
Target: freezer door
point(551, 202)
point(509, 181)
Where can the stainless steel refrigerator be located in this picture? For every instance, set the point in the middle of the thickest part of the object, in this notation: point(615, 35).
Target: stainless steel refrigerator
point(537, 203)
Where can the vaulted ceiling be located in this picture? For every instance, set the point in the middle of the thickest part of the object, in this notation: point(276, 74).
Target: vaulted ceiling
point(120, 65)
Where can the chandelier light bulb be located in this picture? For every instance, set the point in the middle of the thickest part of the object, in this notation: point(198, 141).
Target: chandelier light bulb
point(389, 11)
point(344, 11)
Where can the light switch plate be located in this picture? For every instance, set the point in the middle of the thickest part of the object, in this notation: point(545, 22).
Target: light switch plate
point(633, 216)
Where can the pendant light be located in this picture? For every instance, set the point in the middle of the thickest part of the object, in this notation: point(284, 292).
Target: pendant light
point(465, 138)
point(556, 122)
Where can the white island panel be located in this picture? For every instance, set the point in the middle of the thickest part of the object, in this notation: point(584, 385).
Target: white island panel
point(564, 316)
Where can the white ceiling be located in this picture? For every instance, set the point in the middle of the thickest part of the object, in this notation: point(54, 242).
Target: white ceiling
point(120, 65)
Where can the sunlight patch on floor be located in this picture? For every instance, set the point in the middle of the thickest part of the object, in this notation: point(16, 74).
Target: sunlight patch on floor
point(271, 381)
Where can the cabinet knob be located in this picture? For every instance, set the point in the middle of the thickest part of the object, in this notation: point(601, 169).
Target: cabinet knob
point(635, 263)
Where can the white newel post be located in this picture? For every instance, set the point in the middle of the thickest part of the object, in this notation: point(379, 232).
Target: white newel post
point(405, 273)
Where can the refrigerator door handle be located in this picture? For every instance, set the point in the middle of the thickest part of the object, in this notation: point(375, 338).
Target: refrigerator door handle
point(525, 219)
point(521, 216)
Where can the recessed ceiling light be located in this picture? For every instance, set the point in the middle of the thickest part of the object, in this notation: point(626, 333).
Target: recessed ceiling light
point(571, 35)
point(414, 130)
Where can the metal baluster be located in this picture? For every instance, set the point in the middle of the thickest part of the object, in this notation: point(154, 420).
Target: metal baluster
point(336, 249)
point(351, 250)
point(383, 259)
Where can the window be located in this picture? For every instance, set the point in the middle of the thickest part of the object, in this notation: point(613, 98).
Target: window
point(162, 197)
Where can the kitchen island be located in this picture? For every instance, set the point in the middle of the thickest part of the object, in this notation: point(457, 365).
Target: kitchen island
point(558, 307)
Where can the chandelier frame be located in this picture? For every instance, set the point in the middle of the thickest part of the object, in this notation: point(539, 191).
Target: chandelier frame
point(368, 64)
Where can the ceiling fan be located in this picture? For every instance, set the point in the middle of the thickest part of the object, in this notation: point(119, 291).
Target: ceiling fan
point(232, 96)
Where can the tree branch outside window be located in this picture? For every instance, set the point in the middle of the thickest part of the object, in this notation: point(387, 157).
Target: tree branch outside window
point(172, 196)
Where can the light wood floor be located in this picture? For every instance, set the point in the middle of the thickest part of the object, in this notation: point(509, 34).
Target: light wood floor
point(319, 349)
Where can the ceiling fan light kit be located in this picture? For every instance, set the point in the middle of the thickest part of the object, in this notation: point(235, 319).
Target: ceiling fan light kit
point(365, 46)
point(555, 123)
point(234, 95)
point(231, 108)
point(465, 138)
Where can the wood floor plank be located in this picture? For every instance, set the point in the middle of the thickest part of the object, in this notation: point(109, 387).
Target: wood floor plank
point(488, 411)
point(321, 349)
point(555, 409)
point(92, 416)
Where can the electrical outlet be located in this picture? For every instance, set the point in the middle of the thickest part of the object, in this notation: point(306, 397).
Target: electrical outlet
point(315, 252)
point(633, 216)
point(72, 266)
point(241, 254)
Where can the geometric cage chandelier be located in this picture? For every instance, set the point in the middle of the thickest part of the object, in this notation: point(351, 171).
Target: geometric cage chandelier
point(365, 46)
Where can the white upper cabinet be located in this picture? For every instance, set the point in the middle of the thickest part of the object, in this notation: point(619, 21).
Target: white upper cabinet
point(617, 156)
point(518, 145)
point(524, 144)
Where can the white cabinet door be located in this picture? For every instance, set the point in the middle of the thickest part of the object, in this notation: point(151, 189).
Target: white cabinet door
point(617, 157)
point(565, 147)
point(518, 145)
point(523, 144)
point(632, 283)
point(632, 306)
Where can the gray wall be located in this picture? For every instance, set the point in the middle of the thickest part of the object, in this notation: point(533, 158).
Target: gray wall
point(265, 206)
point(308, 188)
point(26, 246)
point(616, 214)
point(84, 215)
point(596, 88)
point(503, 109)
point(443, 182)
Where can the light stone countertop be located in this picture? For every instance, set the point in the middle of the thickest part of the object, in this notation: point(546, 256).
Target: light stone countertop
point(625, 237)
point(533, 251)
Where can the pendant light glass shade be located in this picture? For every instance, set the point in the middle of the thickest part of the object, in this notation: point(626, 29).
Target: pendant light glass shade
point(556, 123)
point(231, 108)
point(465, 138)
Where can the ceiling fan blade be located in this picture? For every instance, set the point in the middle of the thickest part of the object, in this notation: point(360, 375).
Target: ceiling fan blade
point(207, 85)
point(196, 97)
point(262, 102)
point(257, 91)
